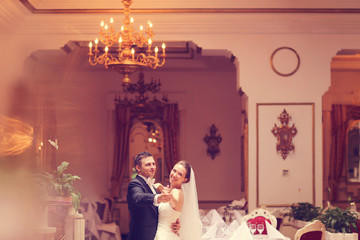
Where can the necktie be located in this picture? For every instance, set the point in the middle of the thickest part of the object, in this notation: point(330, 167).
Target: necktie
point(150, 181)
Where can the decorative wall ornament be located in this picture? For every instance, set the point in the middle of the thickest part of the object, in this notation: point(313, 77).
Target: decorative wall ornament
point(284, 135)
point(289, 50)
point(213, 142)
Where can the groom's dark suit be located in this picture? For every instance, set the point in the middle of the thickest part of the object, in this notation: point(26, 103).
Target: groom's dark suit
point(143, 213)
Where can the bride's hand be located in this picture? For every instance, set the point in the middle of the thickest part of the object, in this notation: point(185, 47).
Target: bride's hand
point(159, 187)
point(166, 190)
point(163, 198)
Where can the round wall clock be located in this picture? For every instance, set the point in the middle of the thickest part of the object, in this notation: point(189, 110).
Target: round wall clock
point(285, 61)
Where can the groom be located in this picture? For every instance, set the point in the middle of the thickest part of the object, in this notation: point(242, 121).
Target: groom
point(143, 200)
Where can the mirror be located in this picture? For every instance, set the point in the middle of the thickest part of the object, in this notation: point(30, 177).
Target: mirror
point(147, 135)
point(352, 151)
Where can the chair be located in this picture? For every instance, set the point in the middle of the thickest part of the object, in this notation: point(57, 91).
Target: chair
point(259, 216)
point(88, 209)
point(312, 231)
point(97, 215)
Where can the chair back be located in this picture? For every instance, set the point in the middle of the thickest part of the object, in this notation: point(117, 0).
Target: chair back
point(259, 216)
point(312, 231)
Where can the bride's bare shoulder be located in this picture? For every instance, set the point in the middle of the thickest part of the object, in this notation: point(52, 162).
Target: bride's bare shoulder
point(177, 191)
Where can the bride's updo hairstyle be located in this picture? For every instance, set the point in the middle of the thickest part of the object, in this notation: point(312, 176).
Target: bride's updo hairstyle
point(187, 167)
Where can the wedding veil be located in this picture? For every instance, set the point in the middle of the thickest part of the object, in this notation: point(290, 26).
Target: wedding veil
point(190, 223)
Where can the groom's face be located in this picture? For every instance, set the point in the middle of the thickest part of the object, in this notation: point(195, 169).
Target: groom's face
point(147, 168)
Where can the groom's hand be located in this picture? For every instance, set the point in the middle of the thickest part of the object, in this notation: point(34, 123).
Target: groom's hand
point(175, 227)
point(164, 197)
point(166, 190)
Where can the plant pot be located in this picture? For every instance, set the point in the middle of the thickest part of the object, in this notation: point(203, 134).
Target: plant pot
point(58, 209)
point(341, 236)
point(298, 223)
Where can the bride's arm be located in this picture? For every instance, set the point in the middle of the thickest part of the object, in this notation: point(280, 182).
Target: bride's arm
point(177, 199)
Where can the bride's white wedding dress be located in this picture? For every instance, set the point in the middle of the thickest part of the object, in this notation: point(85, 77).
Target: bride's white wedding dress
point(190, 223)
point(167, 216)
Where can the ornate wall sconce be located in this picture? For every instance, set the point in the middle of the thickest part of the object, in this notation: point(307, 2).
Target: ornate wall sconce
point(284, 135)
point(213, 142)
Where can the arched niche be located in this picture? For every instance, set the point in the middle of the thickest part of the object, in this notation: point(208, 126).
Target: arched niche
point(341, 107)
point(148, 135)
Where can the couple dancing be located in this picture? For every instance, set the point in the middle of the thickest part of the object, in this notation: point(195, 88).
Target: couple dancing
point(162, 213)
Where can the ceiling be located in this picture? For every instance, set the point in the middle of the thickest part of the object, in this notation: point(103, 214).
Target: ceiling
point(80, 18)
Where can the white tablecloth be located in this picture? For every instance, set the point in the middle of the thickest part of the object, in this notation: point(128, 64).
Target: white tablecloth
point(214, 228)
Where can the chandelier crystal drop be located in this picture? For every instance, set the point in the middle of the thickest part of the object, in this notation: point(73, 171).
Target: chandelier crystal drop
point(126, 51)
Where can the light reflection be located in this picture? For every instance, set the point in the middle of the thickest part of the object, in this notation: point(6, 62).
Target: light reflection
point(15, 136)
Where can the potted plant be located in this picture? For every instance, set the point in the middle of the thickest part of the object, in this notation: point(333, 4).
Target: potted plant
point(301, 213)
point(61, 184)
point(60, 194)
point(339, 223)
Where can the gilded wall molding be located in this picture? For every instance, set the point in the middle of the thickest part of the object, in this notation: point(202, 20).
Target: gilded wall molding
point(34, 10)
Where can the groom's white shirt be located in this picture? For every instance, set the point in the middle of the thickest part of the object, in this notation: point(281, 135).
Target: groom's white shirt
point(153, 190)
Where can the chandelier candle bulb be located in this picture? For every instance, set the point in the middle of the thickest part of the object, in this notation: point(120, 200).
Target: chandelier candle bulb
point(102, 25)
point(96, 44)
point(90, 48)
point(163, 48)
point(156, 51)
point(120, 42)
point(106, 49)
point(149, 42)
point(133, 54)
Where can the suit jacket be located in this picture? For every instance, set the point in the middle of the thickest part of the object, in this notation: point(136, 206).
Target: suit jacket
point(143, 213)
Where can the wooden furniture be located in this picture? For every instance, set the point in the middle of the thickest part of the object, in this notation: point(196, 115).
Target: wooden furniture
point(312, 231)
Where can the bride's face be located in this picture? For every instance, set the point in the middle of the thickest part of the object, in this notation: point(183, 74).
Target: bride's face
point(177, 175)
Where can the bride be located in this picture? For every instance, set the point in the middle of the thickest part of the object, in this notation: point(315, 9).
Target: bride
point(183, 205)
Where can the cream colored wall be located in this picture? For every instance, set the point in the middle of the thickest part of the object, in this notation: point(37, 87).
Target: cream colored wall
point(251, 38)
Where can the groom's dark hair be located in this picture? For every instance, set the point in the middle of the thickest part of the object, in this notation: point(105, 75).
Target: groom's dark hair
point(140, 156)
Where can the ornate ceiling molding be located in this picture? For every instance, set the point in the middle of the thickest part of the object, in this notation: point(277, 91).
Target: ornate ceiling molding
point(34, 10)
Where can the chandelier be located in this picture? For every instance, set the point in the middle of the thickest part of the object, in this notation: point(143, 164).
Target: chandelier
point(126, 51)
point(154, 136)
point(140, 103)
point(141, 90)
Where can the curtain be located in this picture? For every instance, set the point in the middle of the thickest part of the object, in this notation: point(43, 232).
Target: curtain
point(170, 126)
point(340, 117)
point(121, 146)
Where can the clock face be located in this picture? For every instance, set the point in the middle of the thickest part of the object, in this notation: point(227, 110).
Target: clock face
point(285, 61)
